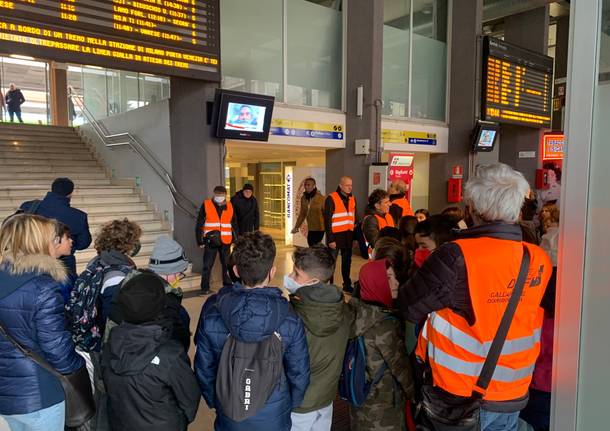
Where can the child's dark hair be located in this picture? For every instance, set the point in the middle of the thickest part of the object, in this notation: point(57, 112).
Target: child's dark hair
point(455, 212)
point(424, 212)
point(316, 261)
point(253, 255)
point(392, 250)
point(440, 228)
point(62, 230)
point(407, 226)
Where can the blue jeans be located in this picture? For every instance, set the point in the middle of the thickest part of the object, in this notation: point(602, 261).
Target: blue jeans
point(492, 421)
point(49, 419)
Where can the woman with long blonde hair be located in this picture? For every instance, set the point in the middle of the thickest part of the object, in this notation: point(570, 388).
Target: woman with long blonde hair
point(32, 313)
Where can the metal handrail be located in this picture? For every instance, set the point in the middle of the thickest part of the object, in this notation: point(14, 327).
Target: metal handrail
point(127, 139)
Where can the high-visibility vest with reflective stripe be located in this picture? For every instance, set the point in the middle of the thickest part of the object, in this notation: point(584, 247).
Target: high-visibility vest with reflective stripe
point(405, 205)
point(385, 221)
point(222, 223)
point(343, 218)
point(456, 351)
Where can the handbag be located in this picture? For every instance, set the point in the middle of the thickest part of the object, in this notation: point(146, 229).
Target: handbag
point(439, 410)
point(80, 406)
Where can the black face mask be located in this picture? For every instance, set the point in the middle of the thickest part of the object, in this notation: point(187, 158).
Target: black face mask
point(136, 249)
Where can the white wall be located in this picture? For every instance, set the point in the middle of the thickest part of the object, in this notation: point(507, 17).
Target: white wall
point(151, 125)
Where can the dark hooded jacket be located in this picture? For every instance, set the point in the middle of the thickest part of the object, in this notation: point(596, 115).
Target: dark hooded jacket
point(147, 375)
point(250, 315)
point(327, 319)
point(32, 311)
point(58, 207)
point(247, 217)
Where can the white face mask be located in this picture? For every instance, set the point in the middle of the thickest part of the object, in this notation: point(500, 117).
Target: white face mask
point(219, 199)
point(292, 286)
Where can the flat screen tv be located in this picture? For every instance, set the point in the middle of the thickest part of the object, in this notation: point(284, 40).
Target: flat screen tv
point(485, 137)
point(242, 116)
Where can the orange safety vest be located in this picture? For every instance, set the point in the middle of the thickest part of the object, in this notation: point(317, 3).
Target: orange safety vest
point(404, 204)
point(385, 221)
point(343, 218)
point(222, 223)
point(456, 351)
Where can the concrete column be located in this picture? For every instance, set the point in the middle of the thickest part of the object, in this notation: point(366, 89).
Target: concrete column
point(561, 69)
point(466, 26)
point(528, 30)
point(364, 67)
point(58, 83)
point(197, 157)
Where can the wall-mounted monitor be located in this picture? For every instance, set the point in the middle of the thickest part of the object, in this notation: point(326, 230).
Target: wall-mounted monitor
point(242, 116)
point(517, 84)
point(485, 136)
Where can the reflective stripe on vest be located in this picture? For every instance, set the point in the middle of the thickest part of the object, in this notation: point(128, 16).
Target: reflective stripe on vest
point(222, 223)
point(343, 219)
point(456, 350)
point(405, 205)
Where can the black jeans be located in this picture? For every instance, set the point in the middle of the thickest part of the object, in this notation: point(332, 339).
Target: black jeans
point(12, 113)
point(314, 237)
point(346, 266)
point(209, 256)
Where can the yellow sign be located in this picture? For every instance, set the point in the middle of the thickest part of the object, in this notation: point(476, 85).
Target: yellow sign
point(408, 137)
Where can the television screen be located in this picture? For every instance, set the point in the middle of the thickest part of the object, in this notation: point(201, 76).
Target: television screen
point(485, 137)
point(250, 118)
point(242, 116)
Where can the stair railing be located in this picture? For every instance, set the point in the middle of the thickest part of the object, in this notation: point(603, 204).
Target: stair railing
point(127, 139)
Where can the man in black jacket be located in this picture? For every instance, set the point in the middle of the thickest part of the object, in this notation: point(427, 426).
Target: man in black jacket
point(341, 241)
point(56, 205)
point(14, 100)
point(245, 205)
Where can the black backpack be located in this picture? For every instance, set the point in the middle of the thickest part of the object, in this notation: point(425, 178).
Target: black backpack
point(247, 375)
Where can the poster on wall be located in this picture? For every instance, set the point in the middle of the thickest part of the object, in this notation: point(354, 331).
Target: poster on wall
point(401, 167)
point(296, 177)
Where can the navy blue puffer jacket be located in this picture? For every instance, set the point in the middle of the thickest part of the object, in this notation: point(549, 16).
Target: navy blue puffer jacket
point(32, 311)
point(251, 315)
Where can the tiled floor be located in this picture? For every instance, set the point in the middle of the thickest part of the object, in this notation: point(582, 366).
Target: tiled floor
point(283, 262)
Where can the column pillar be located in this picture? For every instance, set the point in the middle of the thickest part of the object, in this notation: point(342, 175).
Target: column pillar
point(58, 89)
point(466, 27)
point(197, 157)
point(364, 68)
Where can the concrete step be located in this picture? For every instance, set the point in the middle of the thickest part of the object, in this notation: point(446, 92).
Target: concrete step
point(91, 191)
point(44, 149)
point(37, 136)
point(78, 201)
point(65, 161)
point(26, 139)
point(141, 261)
point(49, 143)
point(50, 176)
point(46, 182)
point(72, 156)
point(50, 168)
point(139, 216)
point(89, 209)
point(34, 127)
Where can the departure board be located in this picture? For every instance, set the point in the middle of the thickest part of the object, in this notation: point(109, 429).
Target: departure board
point(517, 85)
point(170, 37)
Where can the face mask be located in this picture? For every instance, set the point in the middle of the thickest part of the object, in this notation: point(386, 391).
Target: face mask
point(290, 284)
point(421, 254)
point(219, 199)
point(136, 249)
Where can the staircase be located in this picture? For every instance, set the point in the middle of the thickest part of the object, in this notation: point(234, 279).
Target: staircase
point(31, 157)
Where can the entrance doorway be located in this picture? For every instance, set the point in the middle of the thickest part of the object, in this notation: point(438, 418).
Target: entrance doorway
point(32, 77)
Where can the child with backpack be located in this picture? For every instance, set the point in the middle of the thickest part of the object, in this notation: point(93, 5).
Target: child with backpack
point(388, 370)
point(327, 319)
point(147, 375)
point(252, 362)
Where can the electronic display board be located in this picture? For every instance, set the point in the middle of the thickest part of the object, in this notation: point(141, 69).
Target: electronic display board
point(169, 37)
point(517, 84)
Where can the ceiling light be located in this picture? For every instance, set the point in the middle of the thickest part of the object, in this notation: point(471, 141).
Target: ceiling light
point(22, 57)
